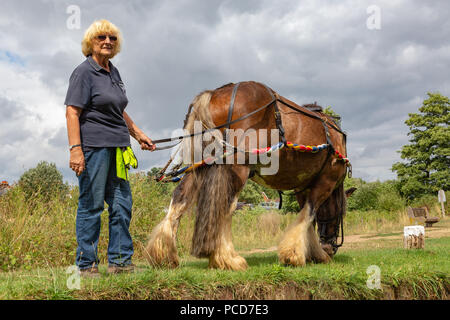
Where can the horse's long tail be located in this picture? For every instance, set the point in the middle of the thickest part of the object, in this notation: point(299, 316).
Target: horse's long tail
point(214, 194)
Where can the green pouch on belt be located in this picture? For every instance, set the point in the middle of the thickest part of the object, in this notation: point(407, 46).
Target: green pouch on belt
point(125, 159)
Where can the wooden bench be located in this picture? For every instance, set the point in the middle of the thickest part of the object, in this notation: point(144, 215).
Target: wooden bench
point(421, 215)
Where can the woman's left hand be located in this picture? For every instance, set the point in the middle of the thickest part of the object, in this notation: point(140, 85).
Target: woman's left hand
point(146, 143)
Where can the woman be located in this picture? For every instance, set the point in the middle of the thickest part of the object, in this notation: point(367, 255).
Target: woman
point(97, 124)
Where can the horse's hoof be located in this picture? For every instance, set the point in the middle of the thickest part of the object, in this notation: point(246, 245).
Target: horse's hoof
point(165, 265)
point(236, 263)
point(162, 262)
point(292, 259)
point(325, 258)
point(159, 255)
point(239, 263)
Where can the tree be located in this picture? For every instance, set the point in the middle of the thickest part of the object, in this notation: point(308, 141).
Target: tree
point(290, 203)
point(427, 158)
point(154, 172)
point(44, 180)
point(333, 114)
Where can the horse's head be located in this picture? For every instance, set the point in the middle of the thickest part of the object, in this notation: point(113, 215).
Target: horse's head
point(329, 218)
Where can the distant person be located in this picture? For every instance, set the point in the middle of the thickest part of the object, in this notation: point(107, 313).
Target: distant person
point(97, 125)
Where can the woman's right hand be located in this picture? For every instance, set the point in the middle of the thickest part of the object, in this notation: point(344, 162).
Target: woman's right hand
point(77, 160)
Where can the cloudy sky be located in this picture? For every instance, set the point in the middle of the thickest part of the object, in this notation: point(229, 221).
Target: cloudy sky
point(372, 61)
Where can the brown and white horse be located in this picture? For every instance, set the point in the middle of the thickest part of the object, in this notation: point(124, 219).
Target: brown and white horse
point(214, 189)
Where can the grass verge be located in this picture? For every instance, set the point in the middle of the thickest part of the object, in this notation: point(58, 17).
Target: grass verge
point(404, 274)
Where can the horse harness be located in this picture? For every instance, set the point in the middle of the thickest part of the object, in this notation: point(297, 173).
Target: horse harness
point(274, 101)
point(303, 110)
point(322, 223)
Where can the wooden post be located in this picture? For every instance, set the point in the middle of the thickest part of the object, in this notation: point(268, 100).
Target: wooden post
point(414, 237)
point(441, 198)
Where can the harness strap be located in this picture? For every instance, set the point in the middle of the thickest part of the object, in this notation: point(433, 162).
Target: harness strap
point(280, 204)
point(273, 101)
point(327, 135)
point(307, 113)
point(215, 128)
point(335, 233)
point(318, 173)
point(278, 120)
point(336, 246)
point(230, 110)
point(324, 223)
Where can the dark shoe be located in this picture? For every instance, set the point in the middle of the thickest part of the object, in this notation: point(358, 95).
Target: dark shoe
point(90, 272)
point(114, 269)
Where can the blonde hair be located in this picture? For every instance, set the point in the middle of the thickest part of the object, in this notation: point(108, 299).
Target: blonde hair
point(100, 27)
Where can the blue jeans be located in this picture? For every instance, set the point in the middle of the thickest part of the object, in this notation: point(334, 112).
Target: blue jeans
point(99, 183)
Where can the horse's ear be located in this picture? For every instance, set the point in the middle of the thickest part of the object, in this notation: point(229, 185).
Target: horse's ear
point(349, 192)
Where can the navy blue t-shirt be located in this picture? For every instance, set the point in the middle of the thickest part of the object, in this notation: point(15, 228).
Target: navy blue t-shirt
point(101, 95)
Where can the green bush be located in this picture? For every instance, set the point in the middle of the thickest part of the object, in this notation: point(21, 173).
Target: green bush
point(290, 203)
point(377, 195)
point(44, 180)
point(252, 193)
point(389, 198)
point(365, 198)
point(383, 196)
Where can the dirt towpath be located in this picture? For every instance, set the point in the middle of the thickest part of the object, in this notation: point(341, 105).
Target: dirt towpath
point(373, 239)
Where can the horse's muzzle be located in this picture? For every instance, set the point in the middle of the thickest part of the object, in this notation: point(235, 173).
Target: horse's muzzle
point(328, 248)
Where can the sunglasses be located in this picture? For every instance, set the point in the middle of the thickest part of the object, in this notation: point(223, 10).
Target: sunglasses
point(103, 38)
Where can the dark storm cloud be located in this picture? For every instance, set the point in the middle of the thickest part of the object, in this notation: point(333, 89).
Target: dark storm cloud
point(12, 115)
point(59, 138)
point(10, 110)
